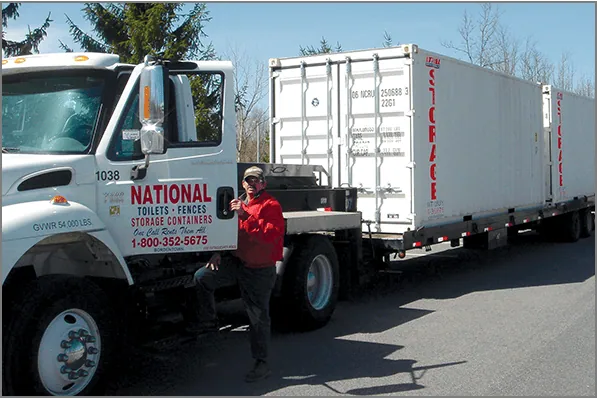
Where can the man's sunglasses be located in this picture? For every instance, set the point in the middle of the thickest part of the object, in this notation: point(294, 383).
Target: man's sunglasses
point(252, 179)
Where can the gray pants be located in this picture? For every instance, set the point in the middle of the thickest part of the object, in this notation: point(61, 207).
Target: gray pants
point(256, 287)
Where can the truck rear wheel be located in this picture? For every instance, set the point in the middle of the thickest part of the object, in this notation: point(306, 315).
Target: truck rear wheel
point(311, 282)
point(60, 341)
point(587, 223)
point(572, 226)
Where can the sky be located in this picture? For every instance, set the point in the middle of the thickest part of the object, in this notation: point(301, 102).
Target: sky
point(275, 30)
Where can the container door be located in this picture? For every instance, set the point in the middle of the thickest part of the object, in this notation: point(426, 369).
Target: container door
point(375, 103)
point(306, 117)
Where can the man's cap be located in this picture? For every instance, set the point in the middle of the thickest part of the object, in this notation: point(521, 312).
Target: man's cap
point(254, 171)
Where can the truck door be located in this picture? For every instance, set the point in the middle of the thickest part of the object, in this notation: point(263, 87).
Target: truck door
point(181, 204)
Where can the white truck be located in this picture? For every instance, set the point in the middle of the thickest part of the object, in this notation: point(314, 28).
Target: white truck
point(116, 180)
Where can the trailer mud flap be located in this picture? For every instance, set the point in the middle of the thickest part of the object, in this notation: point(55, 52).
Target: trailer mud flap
point(497, 238)
point(488, 240)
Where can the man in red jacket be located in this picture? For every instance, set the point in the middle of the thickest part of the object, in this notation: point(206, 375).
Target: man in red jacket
point(253, 266)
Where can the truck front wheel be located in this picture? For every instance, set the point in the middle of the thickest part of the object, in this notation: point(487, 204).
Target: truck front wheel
point(60, 339)
point(310, 292)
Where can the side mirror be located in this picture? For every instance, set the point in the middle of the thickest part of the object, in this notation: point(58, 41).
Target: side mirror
point(152, 108)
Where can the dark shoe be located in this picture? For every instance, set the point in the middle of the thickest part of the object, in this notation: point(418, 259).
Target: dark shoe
point(260, 371)
point(202, 327)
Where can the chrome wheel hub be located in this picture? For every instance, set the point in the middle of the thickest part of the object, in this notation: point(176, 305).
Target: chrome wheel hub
point(69, 351)
point(320, 282)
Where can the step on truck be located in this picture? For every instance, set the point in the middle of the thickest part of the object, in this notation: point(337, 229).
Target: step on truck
point(116, 180)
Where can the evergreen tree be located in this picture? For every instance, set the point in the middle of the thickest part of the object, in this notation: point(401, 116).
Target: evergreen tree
point(134, 30)
point(324, 48)
point(32, 39)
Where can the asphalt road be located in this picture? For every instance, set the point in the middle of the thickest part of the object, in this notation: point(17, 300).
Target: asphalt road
point(518, 321)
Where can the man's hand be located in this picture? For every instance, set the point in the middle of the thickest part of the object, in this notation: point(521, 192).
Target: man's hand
point(237, 205)
point(214, 262)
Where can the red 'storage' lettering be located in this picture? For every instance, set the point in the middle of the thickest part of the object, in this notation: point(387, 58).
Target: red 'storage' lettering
point(431, 133)
point(432, 156)
point(432, 90)
point(560, 164)
point(432, 137)
point(169, 194)
point(432, 172)
point(432, 76)
point(432, 115)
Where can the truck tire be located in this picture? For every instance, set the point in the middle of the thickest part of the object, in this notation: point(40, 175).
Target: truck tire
point(571, 226)
point(311, 282)
point(587, 223)
point(61, 340)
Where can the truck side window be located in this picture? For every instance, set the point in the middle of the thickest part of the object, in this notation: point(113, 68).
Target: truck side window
point(125, 145)
point(194, 117)
point(201, 125)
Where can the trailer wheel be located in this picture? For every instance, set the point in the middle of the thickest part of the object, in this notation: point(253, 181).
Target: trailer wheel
point(587, 223)
point(60, 343)
point(572, 226)
point(310, 291)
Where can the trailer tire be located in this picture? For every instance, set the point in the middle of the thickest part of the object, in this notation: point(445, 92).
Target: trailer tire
point(302, 307)
point(571, 226)
point(587, 223)
point(52, 313)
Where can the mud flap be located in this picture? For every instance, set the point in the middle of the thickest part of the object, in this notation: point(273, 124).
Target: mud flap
point(497, 238)
point(487, 240)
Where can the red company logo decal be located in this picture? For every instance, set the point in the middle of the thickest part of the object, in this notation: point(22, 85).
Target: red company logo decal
point(432, 62)
point(169, 194)
point(560, 96)
point(432, 131)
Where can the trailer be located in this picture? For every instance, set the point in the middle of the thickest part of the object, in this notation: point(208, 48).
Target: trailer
point(439, 150)
point(117, 179)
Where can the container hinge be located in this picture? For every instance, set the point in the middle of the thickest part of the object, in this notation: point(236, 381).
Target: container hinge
point(411, 165)
point(409, 113)
point(408, 61)
point(275, 121)
point(275, 74)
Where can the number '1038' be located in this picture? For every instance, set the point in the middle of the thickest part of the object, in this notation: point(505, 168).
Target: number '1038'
point(107, 175)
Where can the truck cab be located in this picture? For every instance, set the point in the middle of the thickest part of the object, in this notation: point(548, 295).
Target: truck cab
point(83, 195)
point(72, 158)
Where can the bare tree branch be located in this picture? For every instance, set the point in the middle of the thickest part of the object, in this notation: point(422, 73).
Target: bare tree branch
point(585, 87)
point(565, 73)
point(250, 85)
point(467, 44)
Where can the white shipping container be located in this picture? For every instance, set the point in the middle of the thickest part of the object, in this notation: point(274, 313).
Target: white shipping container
point(452, 139)
point(569, 122)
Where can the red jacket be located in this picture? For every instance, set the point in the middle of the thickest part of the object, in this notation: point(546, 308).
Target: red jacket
point(261, 232)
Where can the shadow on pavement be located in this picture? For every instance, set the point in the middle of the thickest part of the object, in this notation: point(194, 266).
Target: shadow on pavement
point(529, 262)
point(215, 365)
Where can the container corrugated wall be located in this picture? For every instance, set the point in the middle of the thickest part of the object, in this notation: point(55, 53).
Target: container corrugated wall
point(478, 141)
point(475, 144)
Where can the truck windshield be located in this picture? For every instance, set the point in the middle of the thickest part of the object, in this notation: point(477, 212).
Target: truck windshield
point(50, 114)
